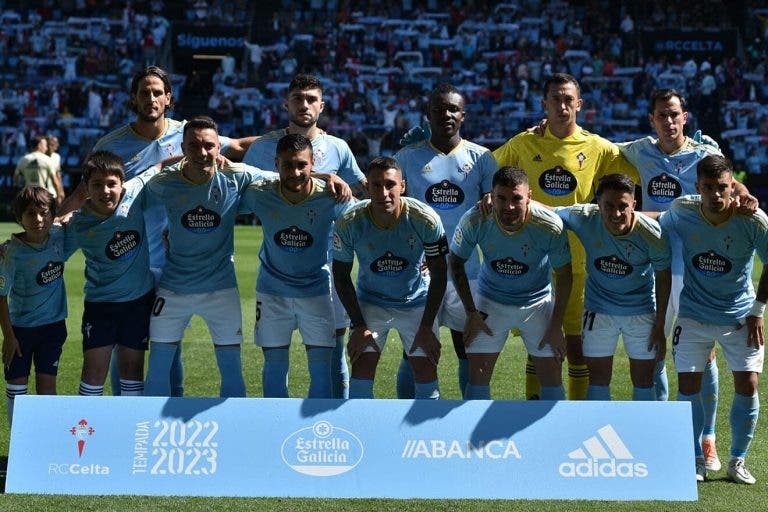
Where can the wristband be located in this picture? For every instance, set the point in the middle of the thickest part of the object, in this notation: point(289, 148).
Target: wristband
point(758, 308)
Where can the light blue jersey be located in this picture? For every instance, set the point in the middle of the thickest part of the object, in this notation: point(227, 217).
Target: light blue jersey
point(331, 155)
point(620, 269)
point(32, 276)
point(139, 154)
point(717, 284)
point(115, 247)
point(294, 251)
point(450, 183)
point(517, 266)
point(201, 221)
point(389, 273)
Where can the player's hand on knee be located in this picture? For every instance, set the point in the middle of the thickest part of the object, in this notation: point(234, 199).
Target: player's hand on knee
point(755, 335)
point(555, 337)
point(474, 325)
point(426, 340)
point(11, 349)
point(658, 341)
point(360, 338)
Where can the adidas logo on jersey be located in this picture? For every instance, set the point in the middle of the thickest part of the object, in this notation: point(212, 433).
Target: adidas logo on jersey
point(603, 455)
point(537, 158)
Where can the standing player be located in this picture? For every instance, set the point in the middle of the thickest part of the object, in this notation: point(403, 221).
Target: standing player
point(626, 256)
point(119, 288)
point(52, 152)
point(36, 169)
point(564, 167)
point(718, 303)
point(294, 286)
point(391, 236)
point(33, 300)
point(522, 242)
point(449, 174)
point(199, 275)
point(304, 103)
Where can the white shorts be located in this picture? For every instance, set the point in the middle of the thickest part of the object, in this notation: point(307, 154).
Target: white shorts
point(600, 334)
point(220, 310)
point(277, 318)
point(673, 306)
point(381, 320)
point(451, 313)
point(340, 317)
point(692, 342)
point(532, 322)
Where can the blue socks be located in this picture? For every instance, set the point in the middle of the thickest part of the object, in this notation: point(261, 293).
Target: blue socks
point(598, 392)
point(319, 362)
point(697, 410)
point(274, 377)
point(463, 375)
point(360, 388)
point(339, 370)
point(231, 369)
point(744, 412)
point(644, 394)
point(477, 392)
point(427, 390)
point(158, 381)
point(660, 381)
point(710, 388)
point(553, 392)
point(405, 383)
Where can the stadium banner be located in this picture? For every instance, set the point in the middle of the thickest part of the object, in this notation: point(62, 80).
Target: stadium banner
point(352, 449)
point(191, 39)
point(701, 44)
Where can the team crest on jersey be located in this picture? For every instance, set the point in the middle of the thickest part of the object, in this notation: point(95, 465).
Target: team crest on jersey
point(293, 239)
point(311, 214)
point(50, 274)
point(557, 181)
point(581, 157)
point(122, 210)
point(169, 148)
point(411, 241)
point(389, 265)
point(728, 241)
point(444, 195)
point(122, 245)
point(525, 248)
point(319, 156)
point(613, 267)
point(711, 264)
point(664, 188)
point(216, 193)
point(200, 220)
point(679, 167)
point(465, 169)
point(509, 268)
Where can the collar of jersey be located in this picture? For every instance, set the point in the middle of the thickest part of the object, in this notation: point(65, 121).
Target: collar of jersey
point(138, 135)
point(288, 201)
point(404, 206)
point(518, 230)
point(461, 141)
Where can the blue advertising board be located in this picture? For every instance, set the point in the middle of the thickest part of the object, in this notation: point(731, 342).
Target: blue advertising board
point(352, 449)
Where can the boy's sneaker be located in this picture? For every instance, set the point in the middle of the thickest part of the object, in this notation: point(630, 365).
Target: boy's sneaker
point(701, 469)
point(739, 473)
point(710, 454)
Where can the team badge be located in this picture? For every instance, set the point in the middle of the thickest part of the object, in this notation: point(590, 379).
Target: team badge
point(319, 156)
point(216, 194)
point(169, 148)
point(311, 214)
point(81, 431)
point(679, 167)
point(465, 170)
point(412, 241)
point(123, 210)
point(525, 248)
point(728, 242)
point(581, 157)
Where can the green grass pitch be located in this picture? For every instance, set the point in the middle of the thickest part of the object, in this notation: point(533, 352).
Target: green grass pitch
point(199, 362)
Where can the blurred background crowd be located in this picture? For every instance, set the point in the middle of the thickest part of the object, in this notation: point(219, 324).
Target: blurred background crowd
point(65, 66)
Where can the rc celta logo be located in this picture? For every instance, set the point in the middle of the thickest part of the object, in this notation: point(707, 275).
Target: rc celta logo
point(81, 431)
point(322, 450)
point(603, 456)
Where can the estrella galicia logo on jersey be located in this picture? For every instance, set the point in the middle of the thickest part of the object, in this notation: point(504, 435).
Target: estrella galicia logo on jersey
point(293, 239)
point(711, 264)
point(444, 195)
point(557, 181)
point(50, 274)
point(613, 267)
point(664, 188)
point(509, 268)
point(322, 450)
point(389, 265)
point(200, 220)
point(122, 245)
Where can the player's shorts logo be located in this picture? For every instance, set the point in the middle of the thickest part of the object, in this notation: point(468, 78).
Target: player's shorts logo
point(293, 239)
point(613, 267)
point(322, 450)
point(557, 181)
point(50, 274)
point(444, 195)
point(200, 220)
point(509, 268)
point(711, 264)
point(389, 265)
point(122, 245)
point(664, 188)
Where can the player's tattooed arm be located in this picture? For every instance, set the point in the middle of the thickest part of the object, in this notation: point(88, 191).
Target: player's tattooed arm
point(657, 339)
point(360, 337)
point(756, 336)
point(11, 347)
point(475, 323)
point(425, 336)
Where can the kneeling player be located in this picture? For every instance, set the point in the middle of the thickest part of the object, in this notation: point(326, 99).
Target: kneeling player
point(391, 236)
point(625, 252)
point(521, 243)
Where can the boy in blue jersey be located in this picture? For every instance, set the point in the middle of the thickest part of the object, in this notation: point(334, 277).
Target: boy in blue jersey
point(522, 242)
point(304, 103)
point(119, 288)
point(294, 286)
point(626, 256)
point(391, 236)
point(449, 174)
point(719, 303)
point(199, 274)
point(33, 301)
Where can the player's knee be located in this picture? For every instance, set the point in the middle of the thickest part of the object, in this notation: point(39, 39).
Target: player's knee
point(364, 366)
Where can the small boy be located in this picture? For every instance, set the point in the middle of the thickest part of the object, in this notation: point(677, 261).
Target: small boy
point(33, 302)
